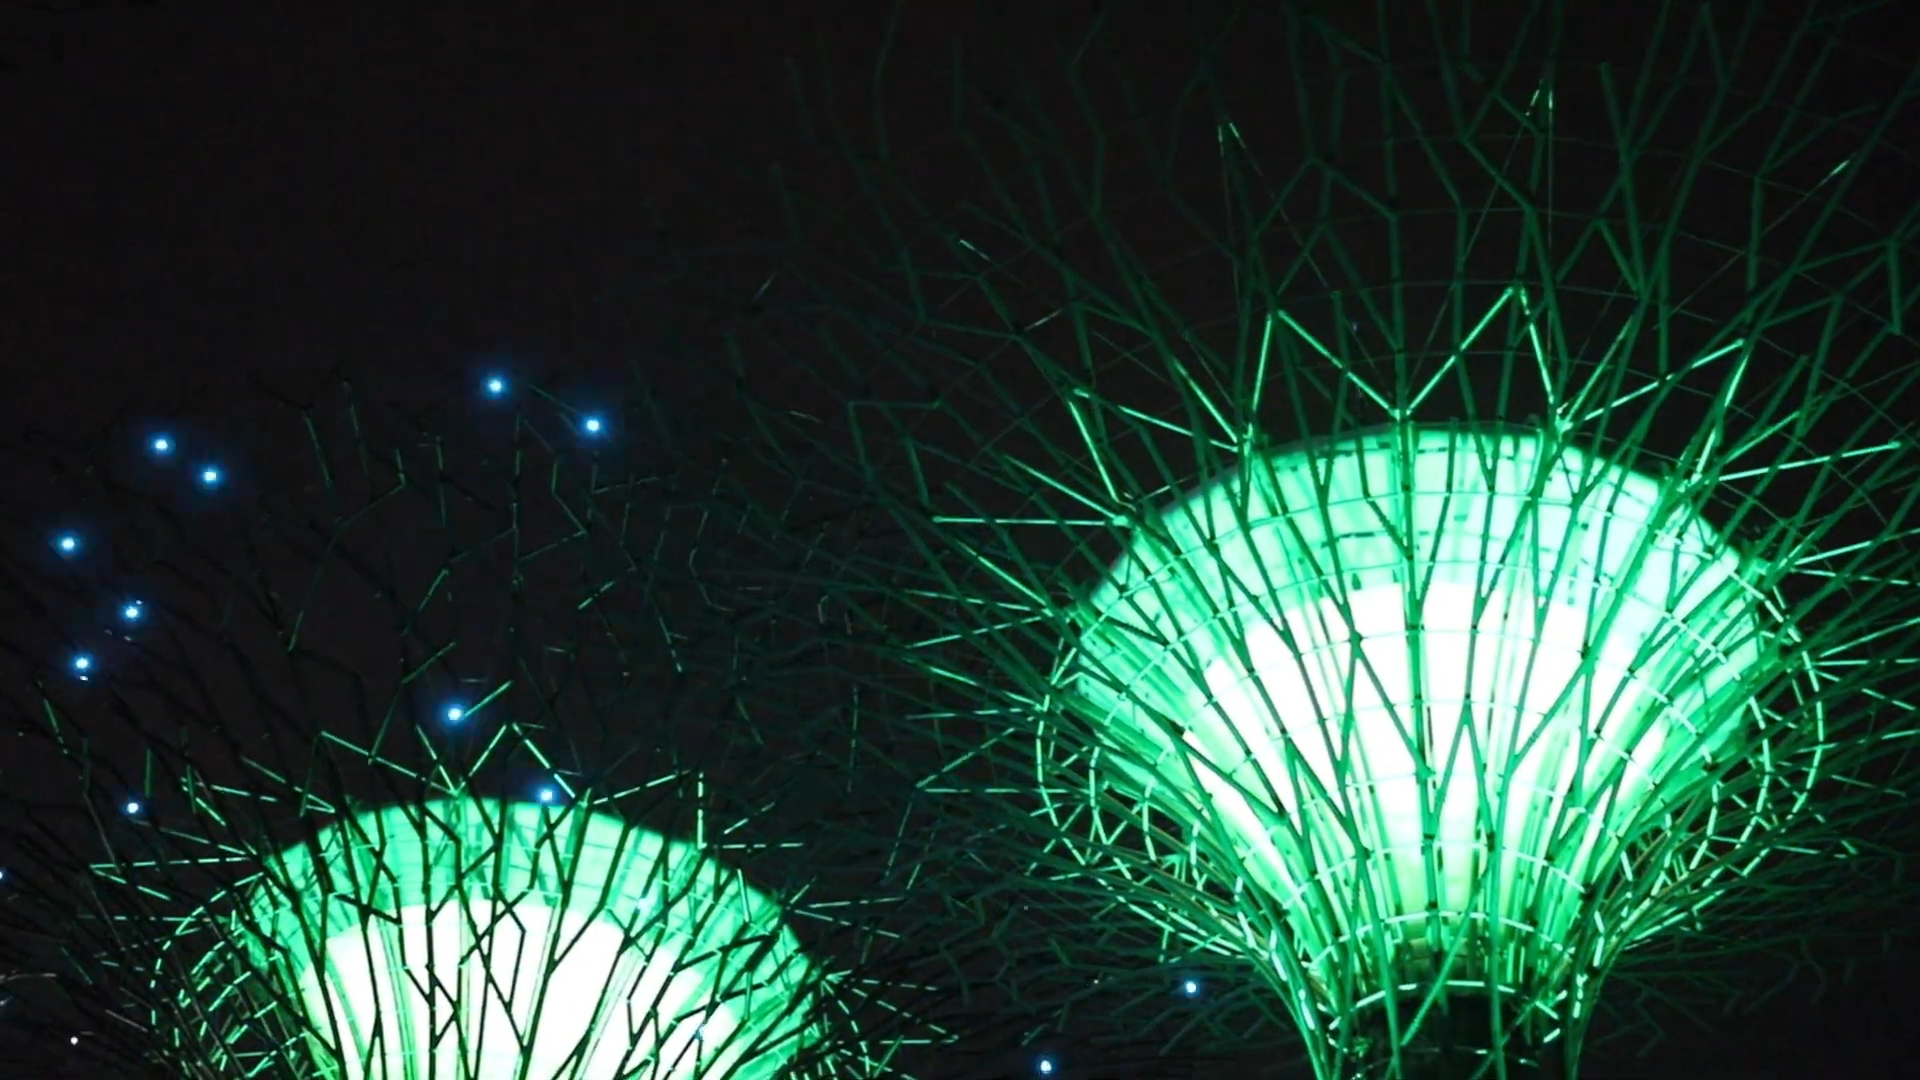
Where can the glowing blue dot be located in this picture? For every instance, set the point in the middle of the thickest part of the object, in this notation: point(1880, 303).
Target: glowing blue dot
point(1046, 1066)
point(162, 445)
point(132, 611)
point(82, 662)
point(1190, 987)
point(133, 806)
point(210, 476)
point(546, 794)
point(455, 714)
point(592, 425)
point(496, 386)
point(67, 544)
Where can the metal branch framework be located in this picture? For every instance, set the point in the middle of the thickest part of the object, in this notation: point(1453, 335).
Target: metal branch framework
point(1426, 509)
point(418, 751)
point(1406, 526)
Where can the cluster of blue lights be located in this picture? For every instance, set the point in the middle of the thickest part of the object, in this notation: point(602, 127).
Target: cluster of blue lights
point(163, 446)
point(71, 545)
point(212, 476)
point(208, 474)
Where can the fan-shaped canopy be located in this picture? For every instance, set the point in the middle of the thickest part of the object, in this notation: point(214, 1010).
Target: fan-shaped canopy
point(471, 939)
point(1428, 688)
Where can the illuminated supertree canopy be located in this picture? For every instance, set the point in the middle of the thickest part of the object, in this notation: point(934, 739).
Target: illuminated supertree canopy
point(1424, 510)
point(656, 960)
point(354, 740)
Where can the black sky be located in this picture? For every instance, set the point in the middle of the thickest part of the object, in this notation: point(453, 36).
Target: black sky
point(193, 191)
point(194, 188)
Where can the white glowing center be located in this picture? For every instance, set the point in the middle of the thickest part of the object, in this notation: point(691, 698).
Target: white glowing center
point(528, 977)
point(1424, 671)
point(471, 940)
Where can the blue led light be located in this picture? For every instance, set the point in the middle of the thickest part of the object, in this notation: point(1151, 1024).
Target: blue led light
point(547, 795)
point(161, 445)
point(82, 664)
point(495, 386)
point(1191, 987)
point(132, 611)
point(67, 544)
point(455, 714)
point(593, 425)
point(1046, 1066)
point(133, 807)
point(211, 476)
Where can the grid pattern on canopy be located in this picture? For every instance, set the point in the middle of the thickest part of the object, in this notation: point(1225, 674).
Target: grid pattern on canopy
point(1431, 684)
point(468, 938)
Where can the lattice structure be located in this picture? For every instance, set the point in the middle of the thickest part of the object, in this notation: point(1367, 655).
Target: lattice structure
point(356, 742)
point(1423, 507)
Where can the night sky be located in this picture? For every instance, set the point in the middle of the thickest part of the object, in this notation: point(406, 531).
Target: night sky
point(190, 193)
point(195, 190)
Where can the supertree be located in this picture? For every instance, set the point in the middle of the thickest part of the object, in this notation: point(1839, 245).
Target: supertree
point(359, 736)
point(1418, 503)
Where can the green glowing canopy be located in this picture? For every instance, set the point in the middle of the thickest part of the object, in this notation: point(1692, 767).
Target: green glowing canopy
point(469, 939)
point(1426, 687)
